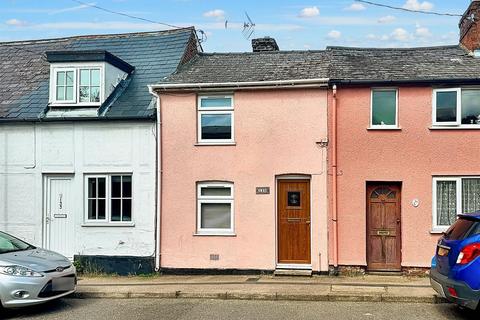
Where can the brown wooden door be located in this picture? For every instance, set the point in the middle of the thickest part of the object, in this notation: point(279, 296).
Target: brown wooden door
point(294, 221)
point(383, 227)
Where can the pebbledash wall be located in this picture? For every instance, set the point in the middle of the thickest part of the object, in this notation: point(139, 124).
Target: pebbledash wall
point(276, 133)
point(29, 153)
point(412, 155)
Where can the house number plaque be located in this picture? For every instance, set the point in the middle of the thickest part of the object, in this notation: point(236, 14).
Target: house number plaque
point(263, 190)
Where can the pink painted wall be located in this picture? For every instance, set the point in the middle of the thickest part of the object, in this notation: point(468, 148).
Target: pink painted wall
point(276, 133)
point(411, 155)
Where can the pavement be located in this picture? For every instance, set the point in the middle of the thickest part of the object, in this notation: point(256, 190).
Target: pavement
point(204, 309)
point(367, 288)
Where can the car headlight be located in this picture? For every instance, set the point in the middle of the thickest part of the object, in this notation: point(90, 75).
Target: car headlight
point(19, 271)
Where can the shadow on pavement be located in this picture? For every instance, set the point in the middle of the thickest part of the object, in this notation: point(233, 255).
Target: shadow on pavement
point(36, 311)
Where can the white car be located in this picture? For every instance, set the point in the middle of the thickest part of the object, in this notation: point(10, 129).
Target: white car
point(30, 275)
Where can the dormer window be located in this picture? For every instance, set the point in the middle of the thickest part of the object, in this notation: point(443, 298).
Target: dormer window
point(84, 79)
point(65, 85)
point(89, 90)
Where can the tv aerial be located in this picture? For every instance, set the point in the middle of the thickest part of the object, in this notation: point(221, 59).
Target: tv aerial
point(248, 27)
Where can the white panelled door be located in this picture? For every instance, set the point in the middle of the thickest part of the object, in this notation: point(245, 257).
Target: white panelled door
point(59, 215)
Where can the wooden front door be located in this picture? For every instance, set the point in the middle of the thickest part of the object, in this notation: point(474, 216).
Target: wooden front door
point(294, 221)
point(383, 227)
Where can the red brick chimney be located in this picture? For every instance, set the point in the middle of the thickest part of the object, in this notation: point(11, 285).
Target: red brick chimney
point(470, 27)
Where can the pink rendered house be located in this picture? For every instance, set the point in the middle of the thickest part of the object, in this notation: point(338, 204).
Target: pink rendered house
point(405, 149)
point(243, 162)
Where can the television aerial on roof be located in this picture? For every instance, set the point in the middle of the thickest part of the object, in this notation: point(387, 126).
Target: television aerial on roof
point(248, 27)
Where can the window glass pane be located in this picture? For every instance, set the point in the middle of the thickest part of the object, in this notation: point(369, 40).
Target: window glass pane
point(84, 77)
point(69, 78)
point(470, 195)
point(446, 106)
point(116, 186)
point(216, 191)
point(446, 202)
point(102, 187)
point(384, 107)
point(470, 106)
point(61, 78)
point(116, 206)
point(84, 94)
point(215, 215)
point(95, 78)
point(60, 93)
point(127, 186)
point(92, 209)
point(92, 187)
point(216, 102)
point(101, 209)
point(95, 94)
point(216, 126)
point(293, 199)
point(69, 93)
point(127, 210)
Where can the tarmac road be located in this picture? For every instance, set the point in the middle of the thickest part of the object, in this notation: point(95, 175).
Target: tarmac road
point(166, 309)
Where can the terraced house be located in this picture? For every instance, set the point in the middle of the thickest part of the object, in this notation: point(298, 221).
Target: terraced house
point(78, 143)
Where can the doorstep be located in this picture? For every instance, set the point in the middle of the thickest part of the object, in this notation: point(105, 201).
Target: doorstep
point(293, 272)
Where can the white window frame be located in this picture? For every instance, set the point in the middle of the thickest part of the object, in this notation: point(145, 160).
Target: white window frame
point(215, 199)
point(54, 85)
point(459, 107)
point(215, 110)
point(108, 198)
point(458, 180)
point(395, 126)
point(79, 69)
point(76, 67)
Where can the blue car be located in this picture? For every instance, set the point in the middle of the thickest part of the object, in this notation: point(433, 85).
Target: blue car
point(455, 273)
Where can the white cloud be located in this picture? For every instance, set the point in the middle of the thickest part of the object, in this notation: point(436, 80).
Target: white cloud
point(356, 7)
point(16, 23)
point(309, 12)
point(416, 5)
point(334, 34)
point(75, 8)
point(387, 19)
point(423, 32)
point(400, 34)
point(217, 14)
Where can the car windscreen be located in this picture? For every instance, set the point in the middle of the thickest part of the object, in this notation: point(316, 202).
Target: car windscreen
point(12, 244)
point(462, 229)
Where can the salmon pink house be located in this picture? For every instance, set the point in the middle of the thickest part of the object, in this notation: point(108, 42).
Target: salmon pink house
point(243, 162)
point(405, 137)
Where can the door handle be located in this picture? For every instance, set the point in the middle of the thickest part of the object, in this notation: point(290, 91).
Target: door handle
point(398, 221)
point(307, 222)
point(47, 220)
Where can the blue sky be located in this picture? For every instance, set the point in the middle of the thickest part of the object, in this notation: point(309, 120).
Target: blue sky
point(295, 24)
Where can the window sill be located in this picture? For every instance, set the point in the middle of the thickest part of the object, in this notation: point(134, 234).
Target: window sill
point(384, 129)
point(205, 234)
point(438, 231)
point(454, 128)
point(109, 225)
point(206, 144)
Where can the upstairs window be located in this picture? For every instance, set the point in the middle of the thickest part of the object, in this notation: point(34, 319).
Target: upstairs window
point(384, 114)
point(215, 119)
point(456, 107)
point(65, 85)
point(77, 86)
point(89, 90)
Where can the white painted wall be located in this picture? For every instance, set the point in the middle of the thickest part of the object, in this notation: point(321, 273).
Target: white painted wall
point(30, 152)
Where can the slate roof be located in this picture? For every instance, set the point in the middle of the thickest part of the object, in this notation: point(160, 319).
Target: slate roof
point(24, 71)
point(252, 66)
point(397, 64)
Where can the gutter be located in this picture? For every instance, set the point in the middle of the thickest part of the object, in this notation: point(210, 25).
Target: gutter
point(56, 119)
point(334, 180)
point(407, 82)
point(250, 85)
point(159, 171)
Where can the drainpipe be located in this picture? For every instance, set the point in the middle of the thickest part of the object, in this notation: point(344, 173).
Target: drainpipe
point(159, 167)
point(334, 181)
